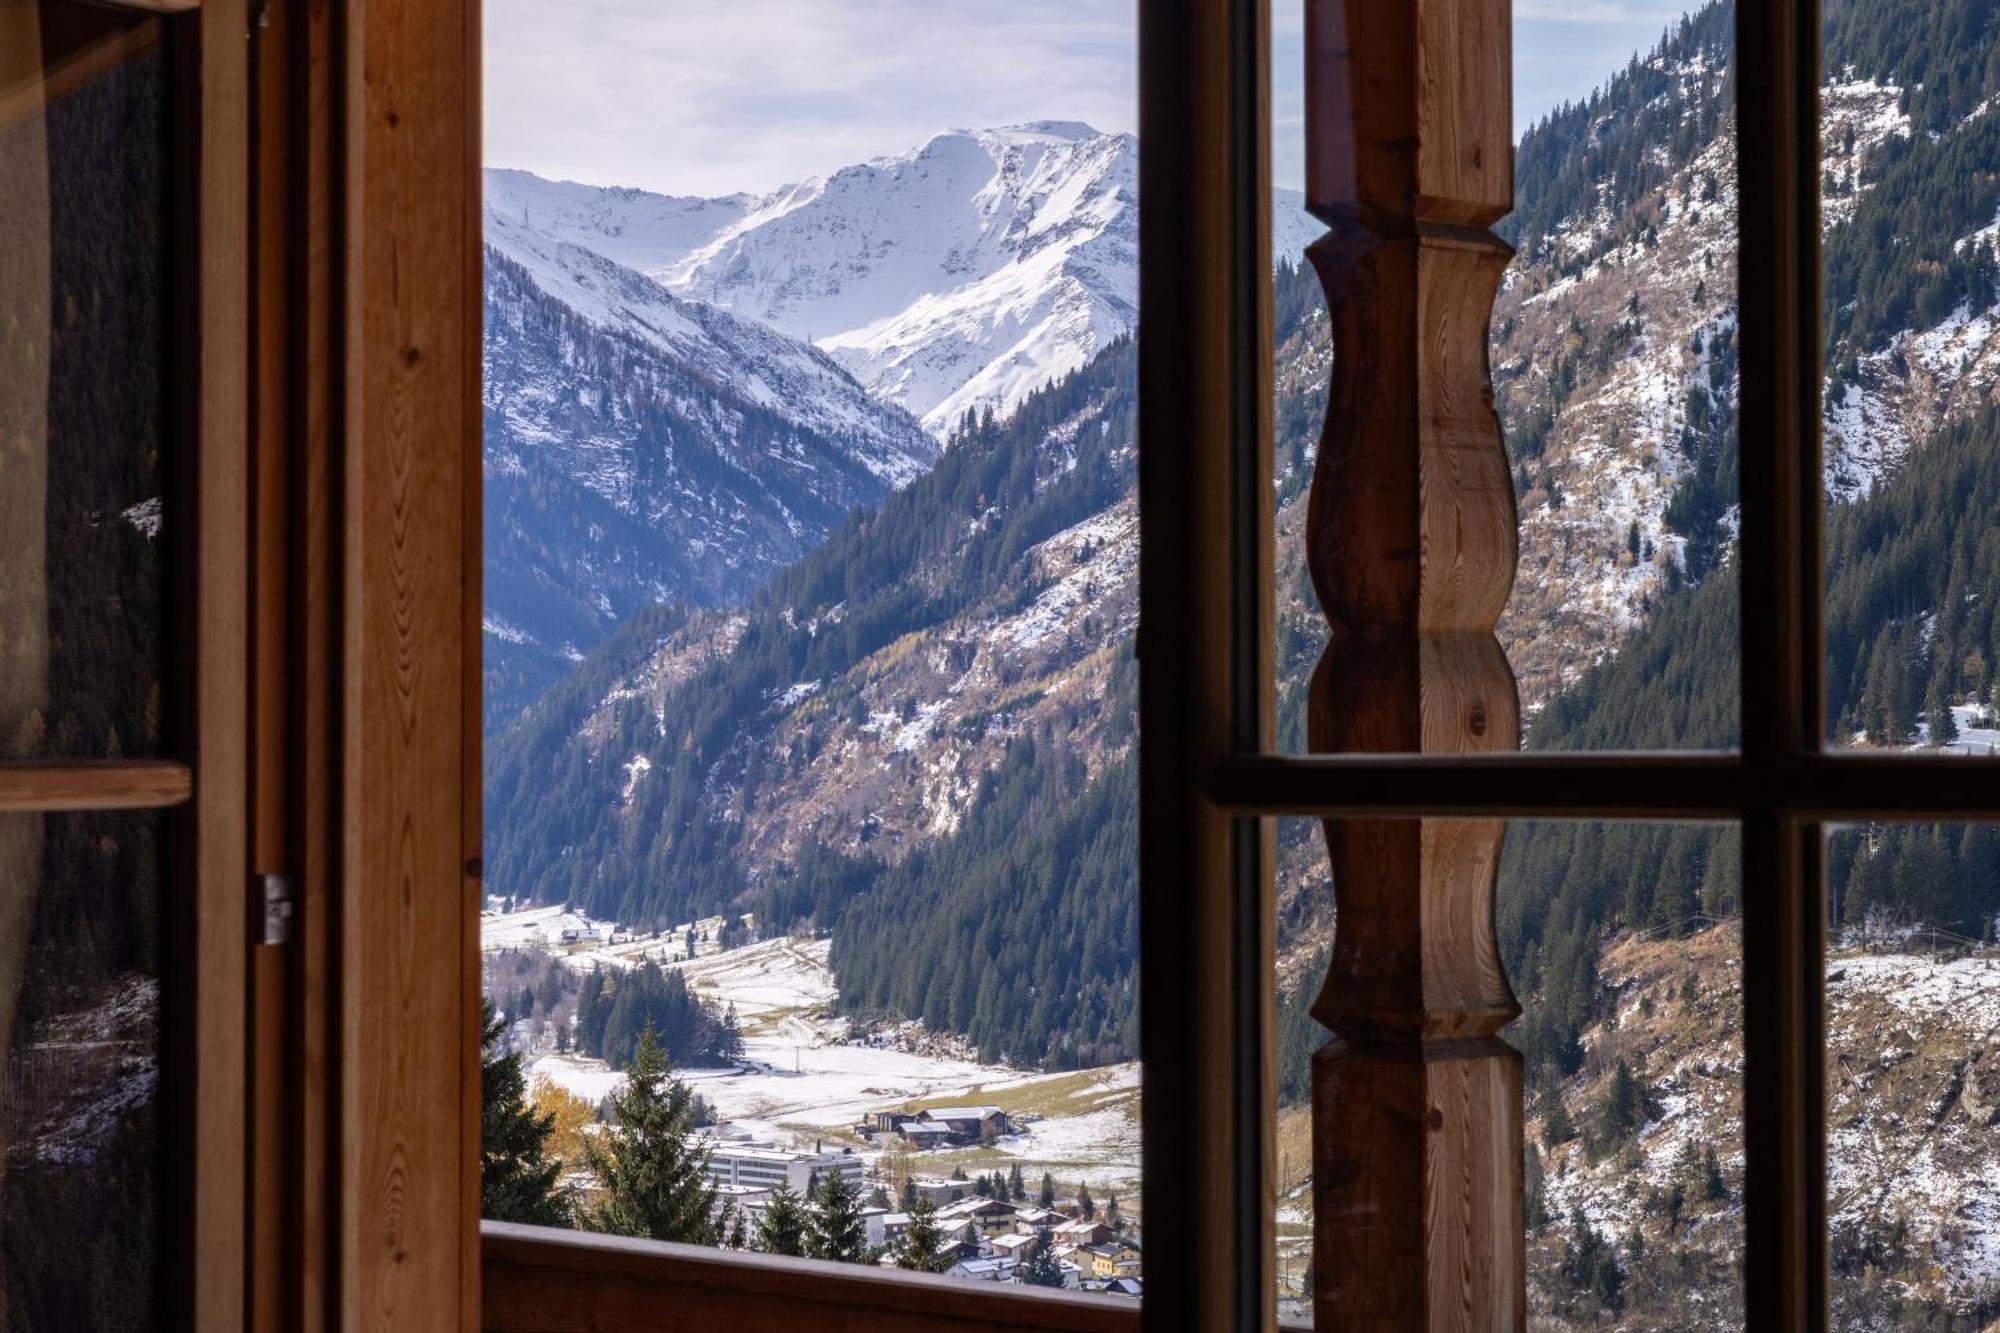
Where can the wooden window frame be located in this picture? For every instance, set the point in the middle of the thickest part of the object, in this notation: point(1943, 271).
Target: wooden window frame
point(202, 786)
point(1783, 787)
point(380, 755)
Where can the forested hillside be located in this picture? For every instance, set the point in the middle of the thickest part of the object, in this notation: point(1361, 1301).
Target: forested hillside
point(1911, 628)
point(918, 736)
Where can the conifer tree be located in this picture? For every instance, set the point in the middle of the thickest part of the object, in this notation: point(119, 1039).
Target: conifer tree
point(1713, 1187)
point(834, 1229)
point(1039, 1265)
point(1017, 1189)
point(781, 1226)
point(1624, 1107)
point(1943, 726)
point(1557, 1127)
point(1084, 1202)
point(737, 1239)
point(1048, 1195)
point(909, 1199)
point(653, 1173)
point(518, 1175)
point(879, 1198)
point(922, 1248)
point(1112, 1217)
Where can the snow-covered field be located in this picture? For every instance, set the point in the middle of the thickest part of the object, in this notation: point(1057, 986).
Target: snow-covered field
point(801, 1079)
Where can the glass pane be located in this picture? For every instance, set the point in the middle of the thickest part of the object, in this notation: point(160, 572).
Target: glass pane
point(810, 598)
point(1614, 368)
point(1913, 1089)
point(1908, 196)
point(82, 394)
point(1304, 899)
point(79, 1081)
point(1623, 945)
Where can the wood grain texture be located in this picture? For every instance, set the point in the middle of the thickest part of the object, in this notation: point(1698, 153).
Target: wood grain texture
point(94, 784)
point(221, 755)
point(411, 351)
point(1411, 542)
point(542, 1281)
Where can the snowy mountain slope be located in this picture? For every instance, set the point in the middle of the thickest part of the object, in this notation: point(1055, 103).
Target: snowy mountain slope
point(962, 274)
point(1614, 353)
point(631, 227)
point(641, 448)
point(1913, 1095)
point(765, 368)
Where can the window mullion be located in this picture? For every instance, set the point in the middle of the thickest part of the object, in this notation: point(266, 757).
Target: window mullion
point(1782, 707)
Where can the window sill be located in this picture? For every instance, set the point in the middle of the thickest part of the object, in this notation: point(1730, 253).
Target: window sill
point(540, 1280)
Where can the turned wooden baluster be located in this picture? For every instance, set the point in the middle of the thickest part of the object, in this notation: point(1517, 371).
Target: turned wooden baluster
point(1416, 1100)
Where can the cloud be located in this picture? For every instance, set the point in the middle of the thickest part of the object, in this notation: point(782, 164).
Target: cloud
point(714, 96)
point(722, 95)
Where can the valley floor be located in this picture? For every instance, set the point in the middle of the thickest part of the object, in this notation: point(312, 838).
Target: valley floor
point(804, 1078)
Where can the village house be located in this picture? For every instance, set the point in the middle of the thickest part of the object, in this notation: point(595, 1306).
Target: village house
point(1034, 1217)
point(990, 1216)
point(1080, 1231)
point(1014, 1244)
point(926, 1137)
point(996, 1269)
point(968, 1124)
point(1110, 1259)
point(883, 1122)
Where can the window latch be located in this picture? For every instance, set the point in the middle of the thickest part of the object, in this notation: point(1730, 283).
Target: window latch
point(277, 909)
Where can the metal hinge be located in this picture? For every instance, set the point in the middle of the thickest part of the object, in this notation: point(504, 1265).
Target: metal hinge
point(277, 909)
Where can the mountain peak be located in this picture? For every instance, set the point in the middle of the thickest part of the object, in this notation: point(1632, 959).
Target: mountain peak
point(1068, 131)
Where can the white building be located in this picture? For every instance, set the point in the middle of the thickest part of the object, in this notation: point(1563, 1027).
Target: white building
point(766, 1168)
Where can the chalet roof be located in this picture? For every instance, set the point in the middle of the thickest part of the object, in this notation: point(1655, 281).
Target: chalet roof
point(962, 1112)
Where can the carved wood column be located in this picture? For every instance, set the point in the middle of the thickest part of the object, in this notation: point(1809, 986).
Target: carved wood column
point(1416, 1100)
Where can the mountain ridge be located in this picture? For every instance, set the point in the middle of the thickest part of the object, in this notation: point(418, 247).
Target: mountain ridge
point(962, 273)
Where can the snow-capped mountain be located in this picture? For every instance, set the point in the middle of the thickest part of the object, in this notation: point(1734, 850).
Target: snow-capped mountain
point(962, 274)
point(642, 448)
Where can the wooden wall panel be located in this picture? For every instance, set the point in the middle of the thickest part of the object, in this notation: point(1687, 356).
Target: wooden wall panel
point(411, 432)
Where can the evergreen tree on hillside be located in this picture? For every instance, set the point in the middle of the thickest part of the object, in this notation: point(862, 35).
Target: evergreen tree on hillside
point(1942, 725)
point(1016, 1188)
point(1084, 1203)
point(1557, 1127)
point(834, 1229)
point(1623, 1109)
point(922, 1247)
point(781, 1226)
point(653, 1174)
point(1047, 1195)
point(518, 1176)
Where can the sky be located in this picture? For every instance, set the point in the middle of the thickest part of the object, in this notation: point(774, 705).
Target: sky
point(710, 97)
